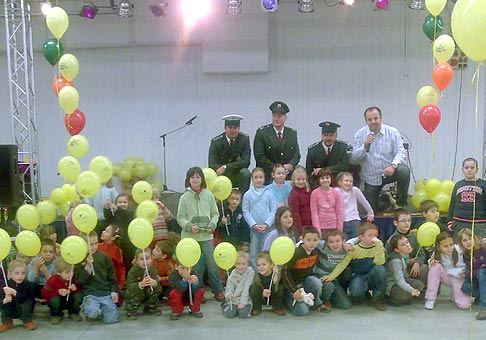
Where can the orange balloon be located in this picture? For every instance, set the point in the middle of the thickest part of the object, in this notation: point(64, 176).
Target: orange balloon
point(58, 83)
point(442, 75)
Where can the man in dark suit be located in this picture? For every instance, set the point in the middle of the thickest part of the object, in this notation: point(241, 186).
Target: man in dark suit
point(275, 143)
point(229, 153)
point(327, 153)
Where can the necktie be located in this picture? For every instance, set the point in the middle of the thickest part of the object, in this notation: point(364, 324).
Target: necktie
point(231, 141)
point(328, 151)
point(279, 136)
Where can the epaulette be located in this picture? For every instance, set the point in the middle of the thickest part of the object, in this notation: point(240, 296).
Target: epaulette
point(264, 126)
point(218, 137)
point(313, 145)
point(290, 129)
point(244, 134)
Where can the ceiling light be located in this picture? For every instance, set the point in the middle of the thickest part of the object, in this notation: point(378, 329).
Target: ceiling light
point(347, 3)
point(416, 4)
point(158, 8)
point(125, 9)
point(88, 10)
point(306, 6)
point(269, 5)
point(46, 7)
point(193, 10)
point(234, 7)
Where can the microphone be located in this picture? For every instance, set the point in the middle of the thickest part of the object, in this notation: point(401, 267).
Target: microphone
point(367, 146)
point(189, 122)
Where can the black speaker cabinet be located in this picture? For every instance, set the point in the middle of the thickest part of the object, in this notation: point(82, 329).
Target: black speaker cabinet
point(10, 191)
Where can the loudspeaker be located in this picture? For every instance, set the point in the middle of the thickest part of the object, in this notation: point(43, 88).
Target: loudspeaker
point(10, 191)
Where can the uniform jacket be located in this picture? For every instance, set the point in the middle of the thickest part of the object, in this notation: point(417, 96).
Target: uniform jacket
point(235, 157)
point(317, 158)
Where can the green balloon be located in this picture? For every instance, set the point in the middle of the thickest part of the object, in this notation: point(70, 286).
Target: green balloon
point(432, 26)
point(52, 51)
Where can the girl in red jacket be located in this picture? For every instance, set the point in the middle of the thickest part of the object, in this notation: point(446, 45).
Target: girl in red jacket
point(109, 245)
point(299, 199)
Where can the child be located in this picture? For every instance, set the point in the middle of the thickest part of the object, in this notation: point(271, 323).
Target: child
point(469, 244)
point(367, 266)
point(142, 286)
point(447, 267)
point(180, 278)
point(198, 216)
point(326, 204)
point(331, 253)
point(97, 277)
point(161, 229)
point(299, 199)
point(16, 299)
point(259, 209)
point(297, 275)
point(42, 267)
point(232, 226)
point(284, 226)
point(401, 288)
point(47, 232)
point(109, 245)
point(430, 211)
point(468, 201)
point(163, 261)
point(279, 187)
point(61, 295)
point(352, 196)
point(237, 292)
point(260, 290)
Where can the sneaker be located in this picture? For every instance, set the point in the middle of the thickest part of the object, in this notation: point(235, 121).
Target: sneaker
point(154, 311)
point(174, 316)
point(379, 305)
point(75, 317)
point(325, 308)
point(279, 312)
point(56, 320)
point(256, 312)
point(6, 326)
point(197, 314)
point(481, 315)
point(30, 325)
point(219, 296)
point(132, 317)
point(429, 304)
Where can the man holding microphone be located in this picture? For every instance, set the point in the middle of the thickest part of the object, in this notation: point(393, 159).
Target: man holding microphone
point(378, 148)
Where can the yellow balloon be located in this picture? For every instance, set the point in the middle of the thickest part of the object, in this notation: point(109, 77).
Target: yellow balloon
point(70, 191)
point(69, 66)
point(468, 24)
point(5, 244)
point(427, 233)
point(47, 211)
point(125, 173)
point(148, 210)
point(142, 191)
point(68, 99)
point(141, 170)
point(210, 177)
point(432, 187)
point(116, 168)
point(57, 21)
point(225, 255)
point(65, 207)
point(418, 197)
point(282, 250)
point(69, 168)
point(85, 218)
point(447, 187)
point(419, 185)
point(188, 252)
point(140, 233)
point(101, 166)
point(427, 95)
point(443, 48)
point(443, 200)
point(74, 249)
point(28, 216)
point(28, 243)
point(153, 169)
point(222, 188)
point(130, 162)
point(435, 6)
point(78, 146)
point(157, 184)
point(58, 196)
point(88, 184)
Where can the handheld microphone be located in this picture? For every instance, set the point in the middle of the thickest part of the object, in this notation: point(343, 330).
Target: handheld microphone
point(367, 146)
point(189, 122)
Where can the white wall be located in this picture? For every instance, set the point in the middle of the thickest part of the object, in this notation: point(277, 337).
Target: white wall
point(328, 65)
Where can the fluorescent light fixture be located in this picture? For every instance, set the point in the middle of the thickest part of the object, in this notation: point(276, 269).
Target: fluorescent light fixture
point(46, 7)
point(234, 7)
point(193, 10)
point(158, 8)
point(88, 10)
point(347, 3)
point(269, 5)
point(125, 9)
point(306, 6)
point(416, 4)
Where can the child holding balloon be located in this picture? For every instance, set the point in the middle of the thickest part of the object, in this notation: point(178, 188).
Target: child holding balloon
point(110, 238)
point(42, 267)
point(232, 226)
point(283, 226)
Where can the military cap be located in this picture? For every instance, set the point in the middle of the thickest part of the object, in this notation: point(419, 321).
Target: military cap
point(232, 120)
point(329, 127)
point(279, 107)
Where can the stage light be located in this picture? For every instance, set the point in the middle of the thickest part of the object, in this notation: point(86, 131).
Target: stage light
point(125, 9)
point(158, 8)
point(46, 7)
point(269, 5)
point(193, 10)
point(306, 6)
point(347, 3)
point(416, 4)
point(88, 10)
point(234, 7)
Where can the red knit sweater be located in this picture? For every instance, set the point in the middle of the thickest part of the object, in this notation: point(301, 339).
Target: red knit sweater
point(116, 256)
point(299, 202)
point(53, 284)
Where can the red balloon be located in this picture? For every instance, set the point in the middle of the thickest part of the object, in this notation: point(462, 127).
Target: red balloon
point(429, 117)
point(75, 122)
point(58, 83)
point(442, 75)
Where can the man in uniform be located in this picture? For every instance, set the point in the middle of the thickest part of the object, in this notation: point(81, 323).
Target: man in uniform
point(327, 153)
point(275, 143)
point(229, 153)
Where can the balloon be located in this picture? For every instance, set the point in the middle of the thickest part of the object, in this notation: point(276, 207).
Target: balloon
point(141, 170)
point(69, 168)
point(58, 83)
point(225, 255)
point(282, 250)
point(427, 95)
point(435, 6)
point(68, 99)
point(432, 187)
point(210, 176)
point(443, 200)
point(429, 117)
point(427, 233)
point(52, 51)
point(381, 4)
point(85, 218)
point(116, 168)
point(468, 24)
point(443, 48)
point(88, 184)
point(419, 185)
point(142, 191)
point(65, 207)
point(74, 249)
point(28, 216)
point(69, 66)
point(188, 252)
point(75, 122)
point(125, 173)
point(442, 75)
point(70, 191)
point(78, 146)
point(57, 21)
point(447, 187)
point(222, 188)
point(432, 26)
point(157, 184)
point(101, 166)
point(28, 243)
point(5, 244)
point(58, 196)
point(140, 233)
point(148, 210)
point(152, 169)
point(418, 197)
point(130, 162)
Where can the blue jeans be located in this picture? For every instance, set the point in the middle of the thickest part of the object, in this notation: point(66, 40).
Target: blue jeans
point(478, 288)
point(94, 306)
point(207, 251)
point(257, 241)
point(340, 297)
point(311, 285)
point(351, 228)
point(374, 280)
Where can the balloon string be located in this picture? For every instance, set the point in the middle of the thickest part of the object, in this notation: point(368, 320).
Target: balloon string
point(434, 156)
point(89, 253)
point(190, 294)
point(475, 75)
point(146, 268)
point(226, 225)
point(478, 69)
point(231, 300)
point(270, 288)
point(3, 272)
point(70, 281)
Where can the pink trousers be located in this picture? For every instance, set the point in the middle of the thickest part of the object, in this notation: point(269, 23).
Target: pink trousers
point(438, 274)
